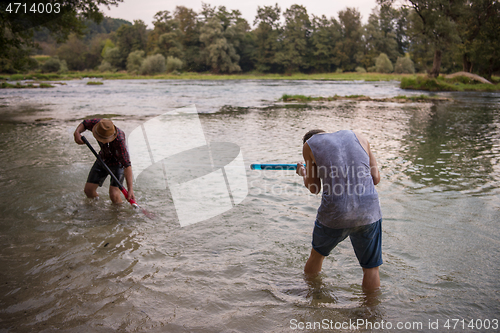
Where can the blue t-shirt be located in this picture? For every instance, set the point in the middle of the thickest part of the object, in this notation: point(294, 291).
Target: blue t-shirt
point(349, 197)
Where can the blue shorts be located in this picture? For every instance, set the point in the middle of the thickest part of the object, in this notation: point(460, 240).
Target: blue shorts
point(98, 174)
point(366, 241)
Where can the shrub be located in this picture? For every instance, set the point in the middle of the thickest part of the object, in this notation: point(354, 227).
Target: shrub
point(404, 65)
point(339, 70)
point(108, 44)
point(63, 68)
point(134, 61)
point(32, 64)
point(52, 65)
point(173, 64)
point(360, 69)
point(383, 64)
point(106, 67)
point(112, 56)
point(153, 64)
point(372, 69)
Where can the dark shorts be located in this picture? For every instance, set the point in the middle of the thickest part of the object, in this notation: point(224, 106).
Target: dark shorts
point(366, 241)
point(98, 174)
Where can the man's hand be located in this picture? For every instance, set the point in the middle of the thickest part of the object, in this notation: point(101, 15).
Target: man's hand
point(301, 169)
point(131, 195)
point(78, 138)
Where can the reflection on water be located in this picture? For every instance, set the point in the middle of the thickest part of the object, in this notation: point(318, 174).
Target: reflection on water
point(74, 264)
point(453, 148)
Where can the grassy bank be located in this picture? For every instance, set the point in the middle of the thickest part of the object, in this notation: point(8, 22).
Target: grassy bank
point(206, 76)
point(397, 99)
point(408, 81)
point(442, 84)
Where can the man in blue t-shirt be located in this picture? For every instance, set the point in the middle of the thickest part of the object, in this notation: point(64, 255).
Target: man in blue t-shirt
point(343, 165)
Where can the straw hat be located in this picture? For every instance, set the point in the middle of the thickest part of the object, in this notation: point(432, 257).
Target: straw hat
point(104, 131)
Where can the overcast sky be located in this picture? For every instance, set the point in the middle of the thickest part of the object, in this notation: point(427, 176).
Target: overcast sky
point(145, 9)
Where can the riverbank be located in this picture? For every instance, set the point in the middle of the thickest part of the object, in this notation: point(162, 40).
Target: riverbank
point(408, 81)
point(441, 83)
point(206, 76)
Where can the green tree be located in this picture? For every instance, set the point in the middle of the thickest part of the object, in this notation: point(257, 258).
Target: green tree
point(383, 64)
point(349, 49)
point(293, 54)
point(52, 65)
point(95, 47)
point(435, 21)
point(218, 37)
point(106, 26)
point(178, 35)
point(74, 52)
point(380, 35)
point(153, 64)
point(134, 61)
point(219, 54)
point(166, 37)
point(478, 27)
point(404, 65)
point(173, 64)
point(113, 57)
point(267, 35)
point(326, 33)
point(108, 44)
point(401, 31)
point(243, 40)
point(130, 38)
point(17, 29)
point(190, 26)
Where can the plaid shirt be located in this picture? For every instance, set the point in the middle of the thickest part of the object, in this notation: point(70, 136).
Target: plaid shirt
point(114, 153)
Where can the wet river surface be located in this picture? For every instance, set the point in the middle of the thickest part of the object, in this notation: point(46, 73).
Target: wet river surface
point(73, 264)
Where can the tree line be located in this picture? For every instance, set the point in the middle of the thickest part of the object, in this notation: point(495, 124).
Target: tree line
point(430, 36)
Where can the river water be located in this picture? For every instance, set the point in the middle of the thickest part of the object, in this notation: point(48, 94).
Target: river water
point(73, 264)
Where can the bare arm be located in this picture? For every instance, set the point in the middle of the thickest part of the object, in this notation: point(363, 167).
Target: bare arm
point(373, 162)
point(373, 166)
point(130, 181)
point(78, 134)
point(310, 172)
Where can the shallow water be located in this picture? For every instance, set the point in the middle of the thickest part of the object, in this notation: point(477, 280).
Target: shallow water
point(73, 264)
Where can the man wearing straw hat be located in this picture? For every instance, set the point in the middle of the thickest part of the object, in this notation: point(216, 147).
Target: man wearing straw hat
point(344, 165)
point(114, 153)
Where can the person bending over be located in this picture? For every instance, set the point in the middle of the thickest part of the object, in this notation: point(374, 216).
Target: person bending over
point(343, 164)
point(114, 154)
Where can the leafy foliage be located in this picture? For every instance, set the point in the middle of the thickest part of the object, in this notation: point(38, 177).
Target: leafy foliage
point(106, 67)
point(218, 37)
point(173, 64)
point(134, 61)
point(153, 64)
point(17, 29)
point(421, 35)
point(52, 65)
point(404, 65)
point(383, 64)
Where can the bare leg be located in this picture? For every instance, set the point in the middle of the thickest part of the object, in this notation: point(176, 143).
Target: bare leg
point(371, 279)
point(314, 263)
point(115, 194)
point(91, 190)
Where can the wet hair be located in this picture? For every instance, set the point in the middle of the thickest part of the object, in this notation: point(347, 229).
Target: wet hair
point(309, 134)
